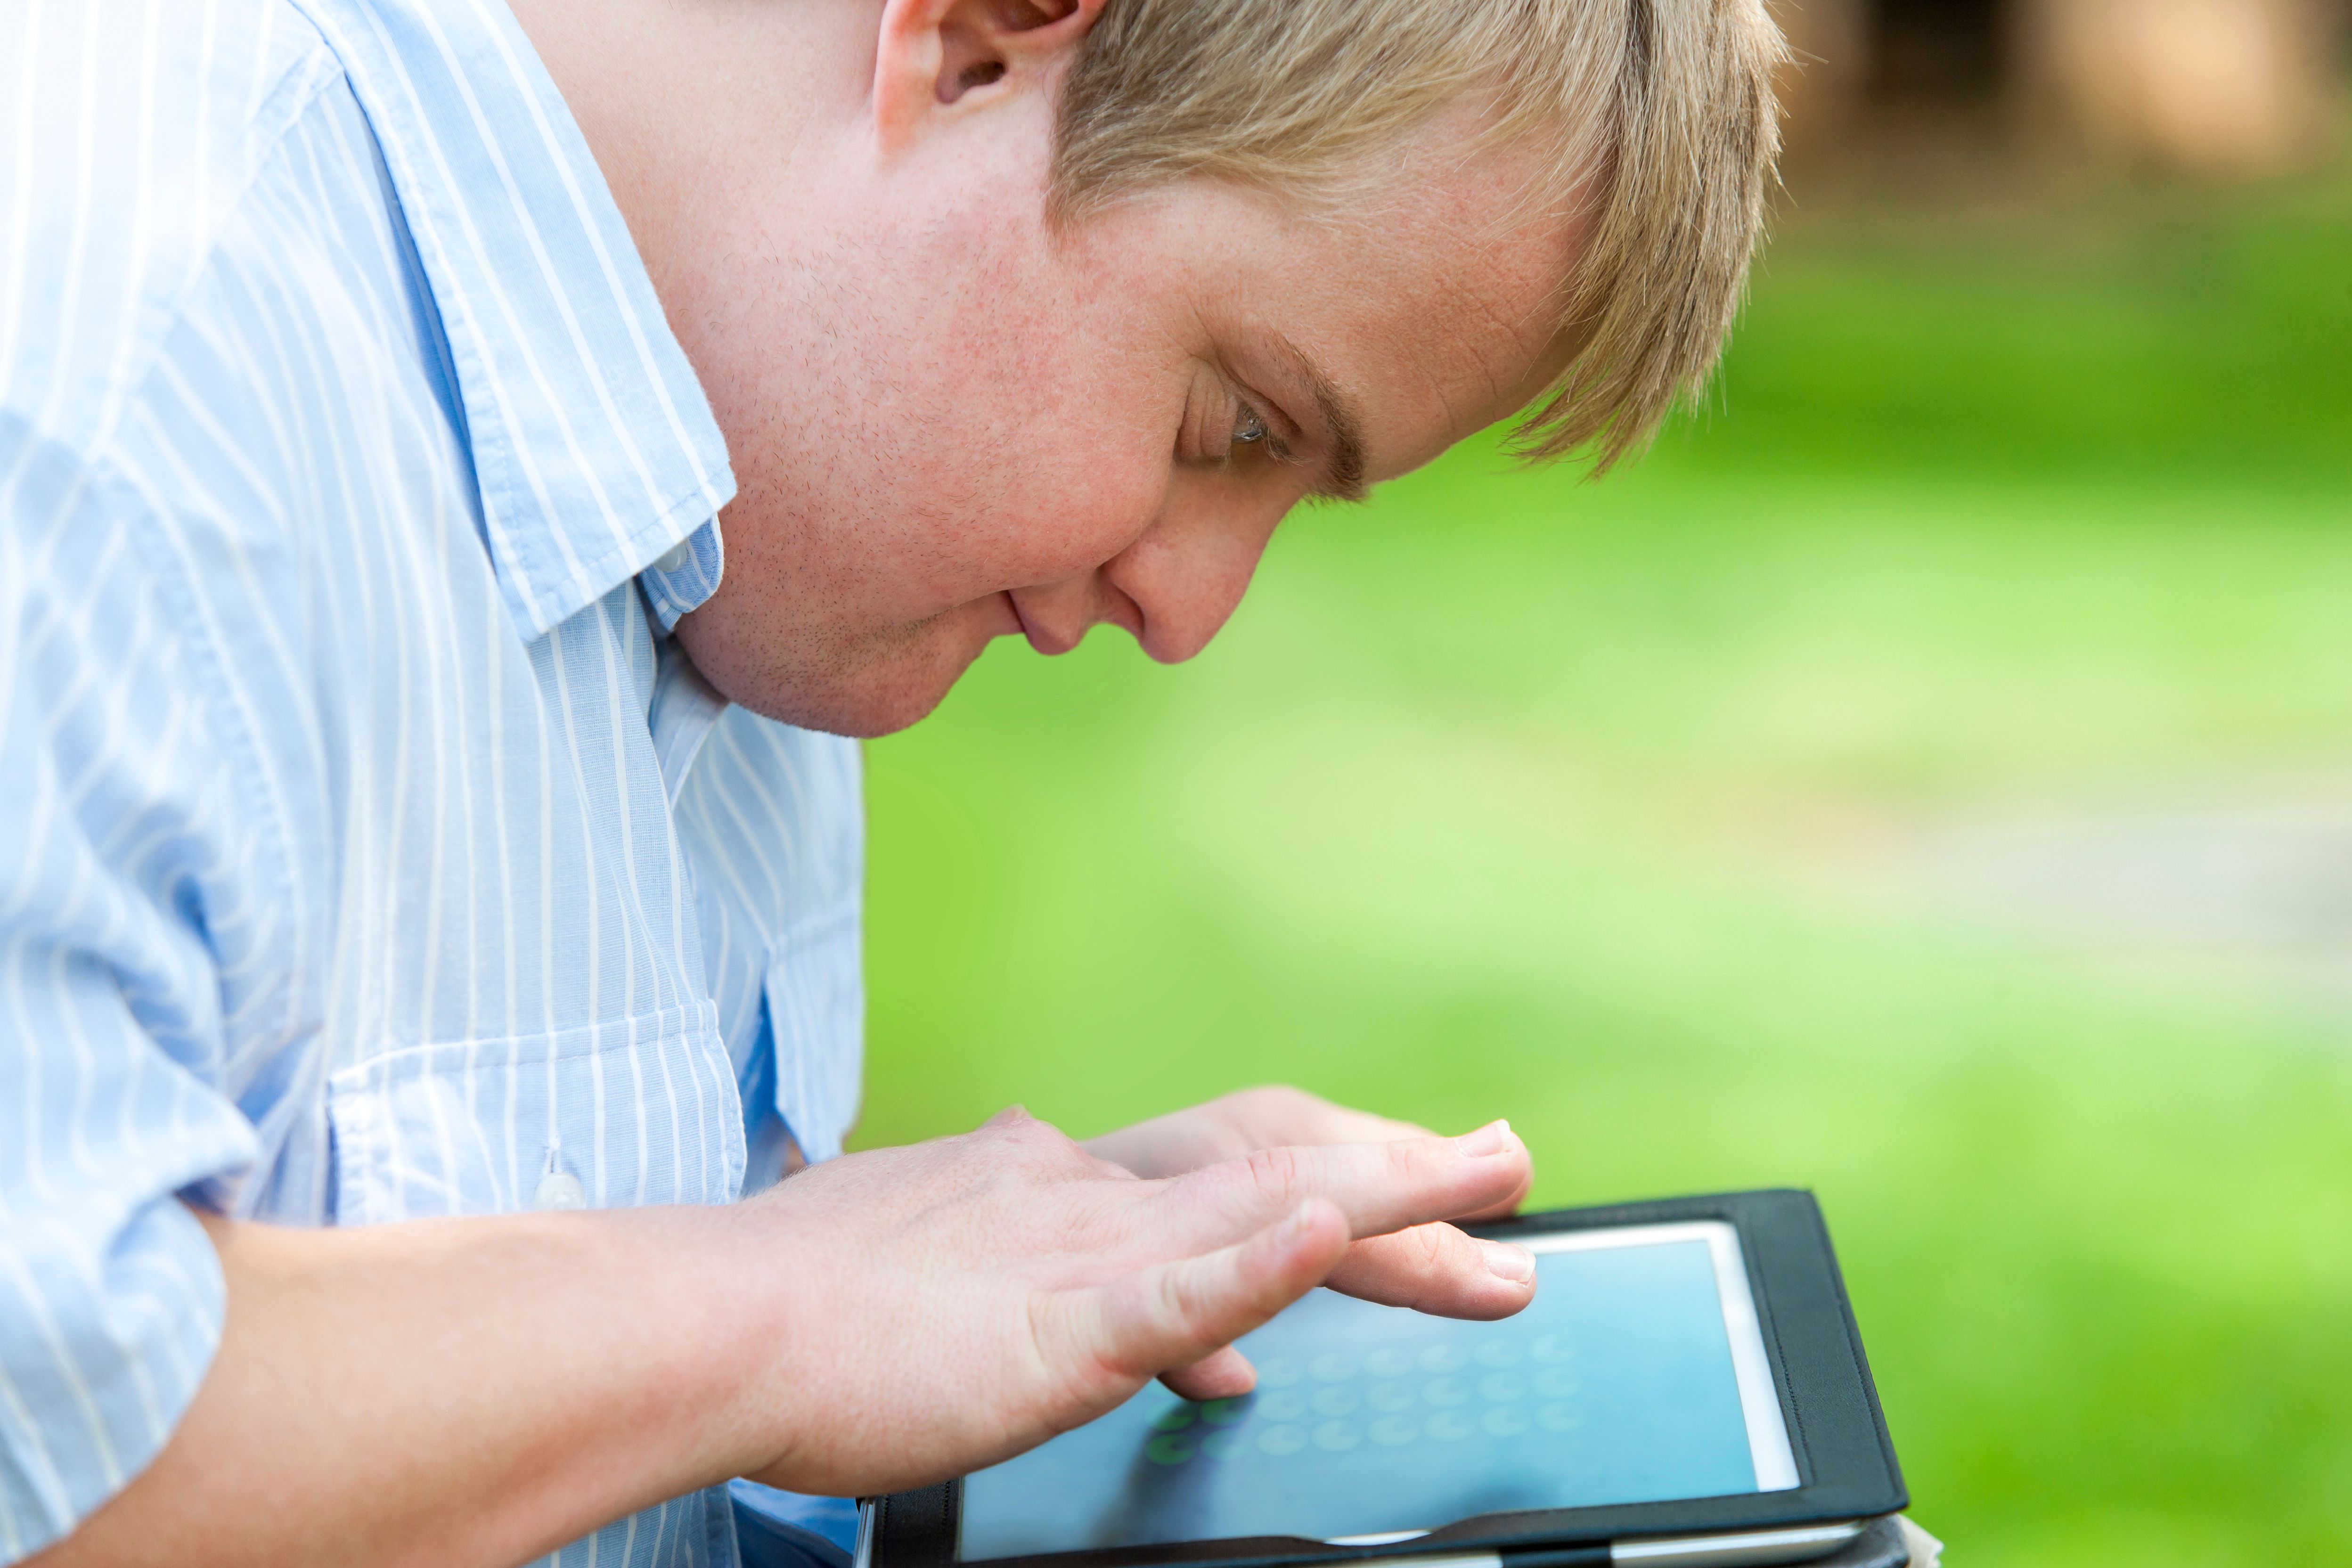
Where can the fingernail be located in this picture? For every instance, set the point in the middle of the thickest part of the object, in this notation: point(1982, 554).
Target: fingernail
point(1491, 1139)
point(1295, 1225)
point(1504, 1261)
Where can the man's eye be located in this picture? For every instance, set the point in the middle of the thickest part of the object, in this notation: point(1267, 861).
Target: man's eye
point(1248, 428)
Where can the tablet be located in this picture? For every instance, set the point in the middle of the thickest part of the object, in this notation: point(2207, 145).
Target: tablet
point(1687, 1369)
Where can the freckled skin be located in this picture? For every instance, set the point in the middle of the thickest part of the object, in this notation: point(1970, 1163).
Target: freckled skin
point(950, 421)
point(979, 427)
point(949, 424)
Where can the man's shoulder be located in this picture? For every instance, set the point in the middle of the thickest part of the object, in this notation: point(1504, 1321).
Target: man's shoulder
point(142, 132)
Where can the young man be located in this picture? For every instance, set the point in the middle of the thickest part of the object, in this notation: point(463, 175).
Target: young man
point(462, 473)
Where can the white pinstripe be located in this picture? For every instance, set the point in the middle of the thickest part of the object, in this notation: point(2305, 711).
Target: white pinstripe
point(361, 835)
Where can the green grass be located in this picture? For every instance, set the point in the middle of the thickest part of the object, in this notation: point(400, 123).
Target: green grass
point(1510, 794)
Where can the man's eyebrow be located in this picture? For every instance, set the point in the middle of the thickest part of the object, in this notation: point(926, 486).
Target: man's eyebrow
point(1343, 471)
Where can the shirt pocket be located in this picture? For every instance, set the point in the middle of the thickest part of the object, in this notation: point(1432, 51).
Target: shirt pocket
point(815, 993)
point(640, 1109)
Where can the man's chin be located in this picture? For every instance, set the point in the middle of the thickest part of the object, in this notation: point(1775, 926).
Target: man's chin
point(875, 685)
point(861, 715)
point(859, 699)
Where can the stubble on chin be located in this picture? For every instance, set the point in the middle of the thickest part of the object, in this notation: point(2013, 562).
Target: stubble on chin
point(875, 686)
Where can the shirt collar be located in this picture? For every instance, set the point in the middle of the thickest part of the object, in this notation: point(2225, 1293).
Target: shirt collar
point(594, 446)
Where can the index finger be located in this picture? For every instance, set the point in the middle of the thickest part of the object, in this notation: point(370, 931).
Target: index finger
point(1379, 1187)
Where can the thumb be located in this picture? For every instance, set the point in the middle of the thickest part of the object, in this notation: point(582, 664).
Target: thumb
point(1177, 1313)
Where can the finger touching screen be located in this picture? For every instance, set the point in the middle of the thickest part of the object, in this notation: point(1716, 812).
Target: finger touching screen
point(1638, 1375)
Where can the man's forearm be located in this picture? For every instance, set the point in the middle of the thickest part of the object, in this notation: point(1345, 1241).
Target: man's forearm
point(453, 1392)
point(476, 1392)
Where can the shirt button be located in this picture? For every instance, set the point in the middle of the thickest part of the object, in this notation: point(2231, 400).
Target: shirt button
point(676, 556)
point(559, 1190)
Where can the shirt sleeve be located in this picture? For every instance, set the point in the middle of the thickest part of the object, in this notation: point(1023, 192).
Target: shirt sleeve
point(111, 1031)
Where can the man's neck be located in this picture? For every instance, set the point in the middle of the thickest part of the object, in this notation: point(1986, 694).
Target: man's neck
point(697, 109)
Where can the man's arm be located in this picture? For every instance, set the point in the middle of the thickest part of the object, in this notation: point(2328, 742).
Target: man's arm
point(468, 1391)
point(480, 1391)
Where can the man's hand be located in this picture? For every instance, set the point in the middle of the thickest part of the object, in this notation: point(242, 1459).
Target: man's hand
point(957, 1301)
point(1431, 1268)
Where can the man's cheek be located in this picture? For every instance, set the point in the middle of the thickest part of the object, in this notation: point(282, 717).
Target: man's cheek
point(1105, 508)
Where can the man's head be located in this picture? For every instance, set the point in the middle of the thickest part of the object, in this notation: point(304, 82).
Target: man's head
point(1025, 315)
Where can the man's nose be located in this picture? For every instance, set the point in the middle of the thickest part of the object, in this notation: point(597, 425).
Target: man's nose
point(1188, 573)
point(1172, 589)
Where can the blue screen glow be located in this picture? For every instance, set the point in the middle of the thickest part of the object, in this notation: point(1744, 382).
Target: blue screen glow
point(1616, 1387)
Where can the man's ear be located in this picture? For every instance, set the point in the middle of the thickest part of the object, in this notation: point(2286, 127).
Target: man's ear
point(935, 55)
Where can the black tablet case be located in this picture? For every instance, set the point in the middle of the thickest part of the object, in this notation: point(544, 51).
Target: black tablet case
point(1845, 1461)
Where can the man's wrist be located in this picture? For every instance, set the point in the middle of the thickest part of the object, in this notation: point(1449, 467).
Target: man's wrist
point(710, 1372)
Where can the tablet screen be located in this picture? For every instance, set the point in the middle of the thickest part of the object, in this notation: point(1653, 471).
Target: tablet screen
point(1638, 1375)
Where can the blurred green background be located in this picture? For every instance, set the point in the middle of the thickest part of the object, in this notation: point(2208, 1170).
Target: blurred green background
point(1631, 810)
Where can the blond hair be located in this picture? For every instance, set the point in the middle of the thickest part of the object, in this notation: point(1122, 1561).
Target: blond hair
point(1668, 102)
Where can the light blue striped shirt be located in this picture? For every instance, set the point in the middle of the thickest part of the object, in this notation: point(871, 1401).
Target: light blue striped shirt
point(367, 849)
